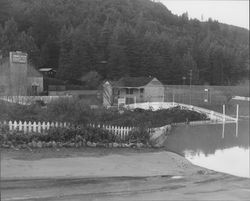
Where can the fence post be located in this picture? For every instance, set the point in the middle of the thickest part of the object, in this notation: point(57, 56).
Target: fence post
point(224, 112)
point(122, 133)
point(39, 127)
point(10, 125)
point(43, 126)
point(15, 125)
point(25, 127)
point(29, 127)
point(237, 112)
point(113, 129)
point(237, 120)
point(47, 126)
point(34, 127)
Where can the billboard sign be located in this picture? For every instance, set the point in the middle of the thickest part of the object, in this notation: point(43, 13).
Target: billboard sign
point(121, 101)
point(19, 57)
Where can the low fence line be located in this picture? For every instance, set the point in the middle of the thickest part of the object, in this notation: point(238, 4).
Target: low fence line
point(212, 114)
point(36, 127)
point(40, 127)
point(27, 100)
point(122, 131)
point(215, 116)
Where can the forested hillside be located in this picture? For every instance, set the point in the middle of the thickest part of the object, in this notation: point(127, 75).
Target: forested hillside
point(123, 37)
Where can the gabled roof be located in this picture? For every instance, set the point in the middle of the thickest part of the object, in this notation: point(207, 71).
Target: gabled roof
point(132, 81)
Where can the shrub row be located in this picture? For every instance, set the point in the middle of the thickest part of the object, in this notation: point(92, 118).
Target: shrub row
point(78, 112)
point(73, 137)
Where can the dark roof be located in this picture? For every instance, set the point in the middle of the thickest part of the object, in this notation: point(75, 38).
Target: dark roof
point(132, 81)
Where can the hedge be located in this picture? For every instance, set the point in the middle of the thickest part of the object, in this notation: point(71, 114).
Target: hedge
point(73, 137)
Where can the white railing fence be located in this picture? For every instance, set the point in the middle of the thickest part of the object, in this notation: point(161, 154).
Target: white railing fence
point(214, 116)
point(40, 127)
point(121, 131)
point(36, 127)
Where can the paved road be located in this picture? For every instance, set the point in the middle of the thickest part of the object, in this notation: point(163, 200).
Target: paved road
point(214, 186)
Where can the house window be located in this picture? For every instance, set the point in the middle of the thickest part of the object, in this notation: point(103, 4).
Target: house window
point(142, 91)
point(2, 89)
point(129, 91)
point(34, 90)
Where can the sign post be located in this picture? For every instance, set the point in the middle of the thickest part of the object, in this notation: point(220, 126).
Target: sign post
point(121, 101)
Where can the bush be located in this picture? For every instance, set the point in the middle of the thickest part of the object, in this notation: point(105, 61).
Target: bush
point(73, 135)
point(78, 112)
point(140, 135)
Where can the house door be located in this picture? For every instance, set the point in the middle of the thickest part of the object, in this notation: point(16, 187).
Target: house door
point(129, 100)
point(34, 90)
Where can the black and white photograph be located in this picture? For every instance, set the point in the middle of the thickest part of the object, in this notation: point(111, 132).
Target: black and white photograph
point(124, 100)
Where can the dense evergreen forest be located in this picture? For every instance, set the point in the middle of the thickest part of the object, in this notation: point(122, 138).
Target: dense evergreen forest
point(123, 37)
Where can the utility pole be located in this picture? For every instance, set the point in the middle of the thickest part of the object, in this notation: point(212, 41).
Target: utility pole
point(190, 77)
point(190, 85)
point(183, 80)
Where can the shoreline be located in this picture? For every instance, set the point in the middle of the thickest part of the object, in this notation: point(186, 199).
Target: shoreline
point(118, 174)
point(94, 163)
point(162, 161)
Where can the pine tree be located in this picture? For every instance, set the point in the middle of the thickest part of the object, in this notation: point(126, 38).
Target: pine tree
point(64, 71)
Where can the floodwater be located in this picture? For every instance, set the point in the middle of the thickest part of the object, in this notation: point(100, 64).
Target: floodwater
point(207, 146)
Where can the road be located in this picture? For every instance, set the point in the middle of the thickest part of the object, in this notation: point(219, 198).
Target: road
point(87, 174)
point(212, 186)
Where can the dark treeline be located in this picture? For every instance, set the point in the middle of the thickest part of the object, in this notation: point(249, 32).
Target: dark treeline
point(123, 37)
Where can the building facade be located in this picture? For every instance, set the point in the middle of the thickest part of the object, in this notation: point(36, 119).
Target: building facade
point(18, 78)
point(133, 90)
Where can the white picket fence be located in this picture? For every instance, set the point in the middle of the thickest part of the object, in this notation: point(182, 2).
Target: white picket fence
point(40, 127)
point(36, 127)
point(121, 131)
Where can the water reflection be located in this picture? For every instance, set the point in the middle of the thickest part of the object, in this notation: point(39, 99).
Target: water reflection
point(206, 146)
point(233, 160)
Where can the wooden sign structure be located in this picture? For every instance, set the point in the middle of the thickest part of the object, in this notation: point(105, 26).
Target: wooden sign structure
point(121, 101)
point(19, 57)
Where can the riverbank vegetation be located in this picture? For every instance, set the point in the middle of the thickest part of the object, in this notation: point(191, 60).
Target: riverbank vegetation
point(73, 136)
point(80, 132)
point(78, 112)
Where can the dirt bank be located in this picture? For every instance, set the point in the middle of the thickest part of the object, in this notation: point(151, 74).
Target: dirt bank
point(92, 164)
point(114, 175)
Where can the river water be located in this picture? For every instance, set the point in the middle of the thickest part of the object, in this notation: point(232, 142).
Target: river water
point(207, 146)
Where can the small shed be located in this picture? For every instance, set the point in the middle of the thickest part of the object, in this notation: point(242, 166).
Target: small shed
point(133, 90)
point(48, 72)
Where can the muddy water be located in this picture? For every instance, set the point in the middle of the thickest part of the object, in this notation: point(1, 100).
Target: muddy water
point(207, 146)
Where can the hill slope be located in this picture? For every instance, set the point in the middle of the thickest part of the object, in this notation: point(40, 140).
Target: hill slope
point(134, 37)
